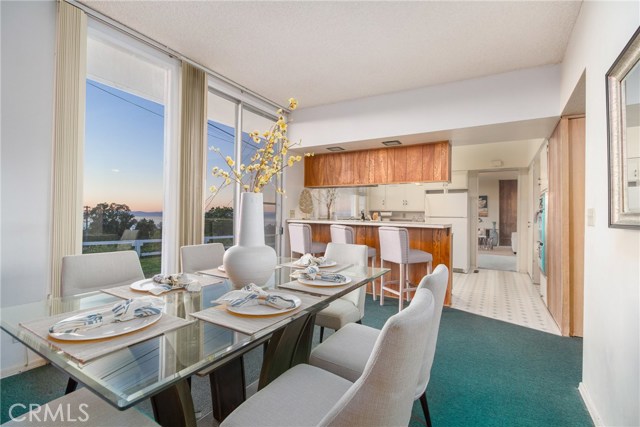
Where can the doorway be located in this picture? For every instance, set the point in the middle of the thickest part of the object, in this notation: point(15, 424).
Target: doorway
point(497, 220)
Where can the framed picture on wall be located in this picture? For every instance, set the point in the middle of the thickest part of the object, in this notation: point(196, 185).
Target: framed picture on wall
point(483, 206)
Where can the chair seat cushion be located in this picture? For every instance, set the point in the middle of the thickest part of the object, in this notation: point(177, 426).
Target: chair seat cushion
point(346, 352)
point(94, 411)
point(339, 313)
point(418, 256)
point(371, 252)
point(301, 396)
point(318, 247)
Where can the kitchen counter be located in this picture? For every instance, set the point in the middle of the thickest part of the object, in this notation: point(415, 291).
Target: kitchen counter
point(354, 222)
point(437, 239)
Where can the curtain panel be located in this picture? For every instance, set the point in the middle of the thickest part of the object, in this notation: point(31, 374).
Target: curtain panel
point(69, 115)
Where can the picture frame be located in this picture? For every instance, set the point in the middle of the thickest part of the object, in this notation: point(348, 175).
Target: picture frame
point(623, 122)
point(483, 206)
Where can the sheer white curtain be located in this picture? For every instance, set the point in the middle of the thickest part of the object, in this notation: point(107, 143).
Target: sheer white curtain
point(68, 137)
point(193, 152)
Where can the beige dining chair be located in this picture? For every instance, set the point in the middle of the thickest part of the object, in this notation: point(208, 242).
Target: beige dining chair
point(345, 234)
point(92, 272)
point(347, 352)
point(195, 258)
point(309, 396)
point(350, 307)
point(81, 407)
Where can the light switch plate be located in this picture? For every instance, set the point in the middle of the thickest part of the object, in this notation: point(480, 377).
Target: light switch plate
point(591, 217)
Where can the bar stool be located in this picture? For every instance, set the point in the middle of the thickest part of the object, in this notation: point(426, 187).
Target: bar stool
point(300, 240)
point(394, 247)
point(346, 234)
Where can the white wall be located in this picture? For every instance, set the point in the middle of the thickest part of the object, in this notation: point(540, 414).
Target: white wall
point(502, 98)
point(611, 357)
point(28, 45)
point(513, 154)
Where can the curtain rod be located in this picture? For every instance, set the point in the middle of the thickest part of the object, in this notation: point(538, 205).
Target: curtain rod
point(154, 44)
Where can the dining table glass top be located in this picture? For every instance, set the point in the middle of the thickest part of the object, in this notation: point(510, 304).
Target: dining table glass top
point(129, 375)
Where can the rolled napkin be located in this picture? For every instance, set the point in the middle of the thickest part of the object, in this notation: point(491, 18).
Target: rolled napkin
point(121, 312)
point(253, 295)
point(307, 259)
point(169, 282)
point(314, 273)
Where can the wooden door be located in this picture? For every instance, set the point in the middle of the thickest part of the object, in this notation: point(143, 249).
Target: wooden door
point(508, 209)
point(397, 165)
point(378, 161)
point(361, 167)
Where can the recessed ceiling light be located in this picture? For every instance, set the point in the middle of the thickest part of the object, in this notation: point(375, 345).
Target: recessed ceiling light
point(391, 143)
point(335, 148)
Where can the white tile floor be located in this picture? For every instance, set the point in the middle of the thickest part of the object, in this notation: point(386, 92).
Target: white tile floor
point(502, 295)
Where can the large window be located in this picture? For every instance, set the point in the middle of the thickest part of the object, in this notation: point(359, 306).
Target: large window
point(124, 152)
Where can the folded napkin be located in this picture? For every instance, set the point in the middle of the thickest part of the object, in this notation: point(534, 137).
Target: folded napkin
point(314, 273)
point(253, 295)
point(169, 282)
point(121, 312)
point(307, 259)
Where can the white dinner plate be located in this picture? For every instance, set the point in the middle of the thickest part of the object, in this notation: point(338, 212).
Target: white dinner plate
point(264, 310)
point(108, 330)
point(324, 265)
point(145, 285)
point(323, 283)
point(221, 268)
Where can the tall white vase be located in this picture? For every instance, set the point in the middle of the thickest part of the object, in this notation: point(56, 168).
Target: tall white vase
point(250, 261)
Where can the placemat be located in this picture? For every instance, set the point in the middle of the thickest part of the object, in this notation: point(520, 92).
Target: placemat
point(126, 292)
point(249, 325)
point(217, 273)
point(318, 290)
point(84, 351)
point(336, 268)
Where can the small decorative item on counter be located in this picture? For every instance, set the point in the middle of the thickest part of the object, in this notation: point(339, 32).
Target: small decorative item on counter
point(375, 216)
point(306, 203)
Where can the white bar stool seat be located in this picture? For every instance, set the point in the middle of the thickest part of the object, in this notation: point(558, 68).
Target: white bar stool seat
point(346, 234)
point(394, 247)
point(301, 242)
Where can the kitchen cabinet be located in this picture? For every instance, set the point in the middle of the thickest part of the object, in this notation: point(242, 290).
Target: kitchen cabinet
point(414, 163)
point(396, 197)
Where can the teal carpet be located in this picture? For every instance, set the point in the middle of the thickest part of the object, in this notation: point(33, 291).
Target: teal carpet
point(486, 373)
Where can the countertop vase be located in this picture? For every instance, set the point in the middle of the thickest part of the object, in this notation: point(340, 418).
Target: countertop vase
point(250, 261)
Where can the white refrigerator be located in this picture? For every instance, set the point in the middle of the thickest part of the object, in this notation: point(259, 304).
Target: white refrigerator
point(452, 208)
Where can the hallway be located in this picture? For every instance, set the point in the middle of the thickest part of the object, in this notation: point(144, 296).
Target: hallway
point(502, 295)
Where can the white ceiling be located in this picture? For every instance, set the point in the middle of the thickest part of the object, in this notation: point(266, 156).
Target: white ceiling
point(328, 51)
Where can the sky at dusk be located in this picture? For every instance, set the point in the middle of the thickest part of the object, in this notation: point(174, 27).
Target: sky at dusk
point(124, 149)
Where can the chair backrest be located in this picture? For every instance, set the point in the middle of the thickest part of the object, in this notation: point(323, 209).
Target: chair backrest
point(300, 238)
point(436, 282)
point(381, 395)
point(91, 272)
point(350, 254)
point(342, 234)
point(201, 257)
point(394, 244)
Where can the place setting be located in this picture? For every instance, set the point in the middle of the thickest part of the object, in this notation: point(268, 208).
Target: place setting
point(308, 260)
point(91, 333)
point(253, 308)
point(162, 283)
point(315, 280)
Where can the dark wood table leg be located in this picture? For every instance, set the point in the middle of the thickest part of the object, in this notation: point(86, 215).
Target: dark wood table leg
point(228, 389)
point(173, 407)
point(287, 347)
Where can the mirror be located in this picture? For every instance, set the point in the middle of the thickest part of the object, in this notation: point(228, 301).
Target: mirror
point(623, 106)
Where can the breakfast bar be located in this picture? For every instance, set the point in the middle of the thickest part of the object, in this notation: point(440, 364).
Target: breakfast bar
point(433, 238)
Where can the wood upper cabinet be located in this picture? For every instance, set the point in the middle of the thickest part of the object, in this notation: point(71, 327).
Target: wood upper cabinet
point(414, 163)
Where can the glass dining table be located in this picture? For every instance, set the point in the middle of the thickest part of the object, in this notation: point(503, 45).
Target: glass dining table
point(158, 367)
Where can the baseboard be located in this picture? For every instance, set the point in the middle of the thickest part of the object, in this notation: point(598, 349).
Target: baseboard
point(35, 363)
point(586, 398)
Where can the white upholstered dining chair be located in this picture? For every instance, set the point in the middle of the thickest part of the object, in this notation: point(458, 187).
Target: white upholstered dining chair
point(347, 352)
point(301, 242)
point(309, 396)
point(195, 258)
point(92, 272)
point(350, 307)
point(345, 234)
